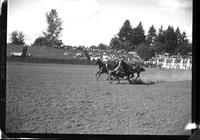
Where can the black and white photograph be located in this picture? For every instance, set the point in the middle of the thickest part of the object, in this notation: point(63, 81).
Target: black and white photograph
point(114, 67)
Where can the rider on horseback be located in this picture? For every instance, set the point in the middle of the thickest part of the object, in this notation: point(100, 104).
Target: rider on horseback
point(124, 69)
point(120, 67)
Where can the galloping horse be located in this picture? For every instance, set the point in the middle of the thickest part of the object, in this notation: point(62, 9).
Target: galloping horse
point(102, 68)
point(121, 74)
point(126, 71)
point(137, 70)
point(111, 64)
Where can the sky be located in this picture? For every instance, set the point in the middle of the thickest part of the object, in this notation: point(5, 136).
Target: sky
point(91, 22)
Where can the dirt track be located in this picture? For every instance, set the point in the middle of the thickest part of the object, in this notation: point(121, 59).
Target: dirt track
point(47, 98)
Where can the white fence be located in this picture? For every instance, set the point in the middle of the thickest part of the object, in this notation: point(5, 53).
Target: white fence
point(175, 63)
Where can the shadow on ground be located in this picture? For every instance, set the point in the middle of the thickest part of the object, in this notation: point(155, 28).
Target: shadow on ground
point(140, 82)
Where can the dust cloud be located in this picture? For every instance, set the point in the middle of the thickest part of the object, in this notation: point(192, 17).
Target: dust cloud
point(157, 76)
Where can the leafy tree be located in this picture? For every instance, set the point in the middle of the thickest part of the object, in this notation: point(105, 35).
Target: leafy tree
point(150, 38)
point(165, 41)
point(125, 32)
point(159, 47)
point(159, 42)
point(116, 43)
point(40, 41)
point(21, 38)
point(128, 38)
point(170, 40)
point(183, 46)
point(54, 28)
point(138, 35)
point(160, 37)
point(127, 45)
point(58, 43)
point(17, 38)
point(184, 49)
point(178, 36)
point(179, 41)
point(184, 37)
point(102, 46)
point(145, 52)
point(93, 47)
point(14, 37)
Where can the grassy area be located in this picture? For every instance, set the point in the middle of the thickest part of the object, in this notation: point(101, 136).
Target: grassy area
point(42, 52)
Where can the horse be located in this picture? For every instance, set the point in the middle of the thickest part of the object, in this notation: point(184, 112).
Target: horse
point(116, 74)
point(137, 70)
point(102, 68)
point(105, 68)
point(111, 64)
point(121, 74)
point(128, 71)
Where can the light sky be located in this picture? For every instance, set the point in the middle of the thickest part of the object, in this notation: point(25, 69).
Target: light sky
point(91, 22)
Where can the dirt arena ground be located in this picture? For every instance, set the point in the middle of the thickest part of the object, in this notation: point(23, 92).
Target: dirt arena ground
point(52, 98)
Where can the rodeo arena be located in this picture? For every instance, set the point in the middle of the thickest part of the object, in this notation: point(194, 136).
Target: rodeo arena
point(115, 92)
point(60, 78)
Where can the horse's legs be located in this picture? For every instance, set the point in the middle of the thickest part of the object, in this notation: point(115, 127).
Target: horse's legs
point(109, 76)
point(138, 75)
point(132, 75)
point(96, 75)
point(117, 78)
point(128, 79)
point(99, 75)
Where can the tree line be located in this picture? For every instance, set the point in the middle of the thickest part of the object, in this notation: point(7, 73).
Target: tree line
point(171, 40)
point(129, 38)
